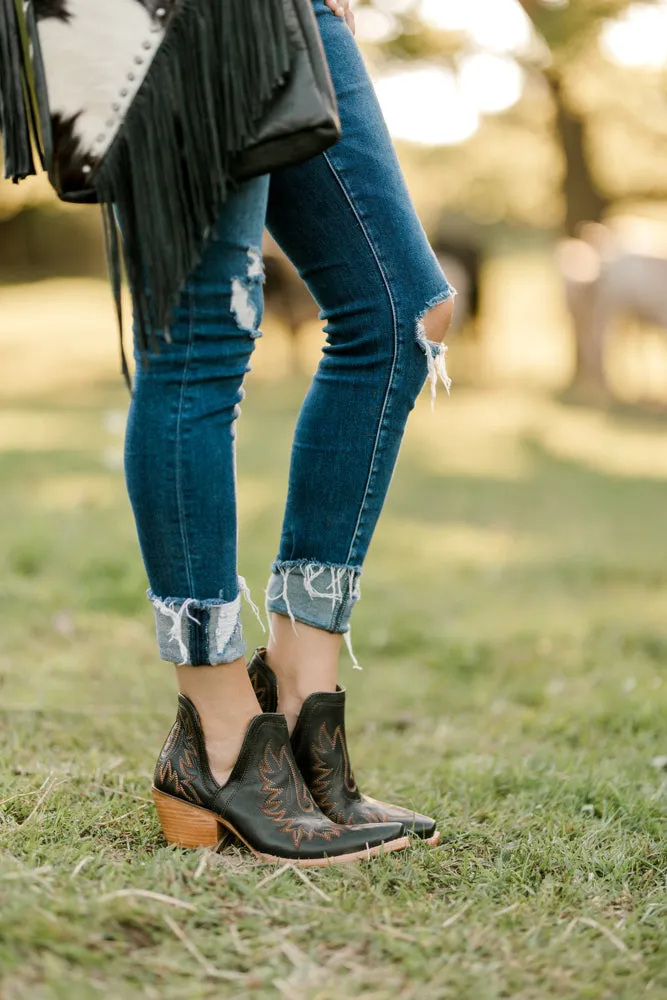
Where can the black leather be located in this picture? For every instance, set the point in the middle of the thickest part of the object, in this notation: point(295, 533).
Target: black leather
point(266, 801)
point(320, 749)
point(302, 120)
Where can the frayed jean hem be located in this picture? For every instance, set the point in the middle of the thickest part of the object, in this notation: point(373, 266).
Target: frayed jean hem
point(201, 633)
point(322, 595)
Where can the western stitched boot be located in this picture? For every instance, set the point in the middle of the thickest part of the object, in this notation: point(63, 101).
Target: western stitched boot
point(320, 750)
point(265, 803)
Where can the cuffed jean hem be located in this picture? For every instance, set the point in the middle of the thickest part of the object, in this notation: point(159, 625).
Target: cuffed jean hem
point(318, 594)
point(198, 633)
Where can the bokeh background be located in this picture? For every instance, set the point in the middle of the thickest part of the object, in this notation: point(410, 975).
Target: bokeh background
point(518, 124)
point(512, 628)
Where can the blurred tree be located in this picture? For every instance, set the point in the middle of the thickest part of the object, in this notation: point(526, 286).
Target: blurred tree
point(570, 32)
point(609, 123)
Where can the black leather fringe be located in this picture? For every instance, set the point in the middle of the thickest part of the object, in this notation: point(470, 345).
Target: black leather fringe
point(16, 110)
point(168, 171)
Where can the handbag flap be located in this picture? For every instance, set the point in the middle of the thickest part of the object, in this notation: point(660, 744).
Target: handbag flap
point(96, 57)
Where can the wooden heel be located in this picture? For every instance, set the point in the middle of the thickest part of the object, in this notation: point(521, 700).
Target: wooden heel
point(185, 825)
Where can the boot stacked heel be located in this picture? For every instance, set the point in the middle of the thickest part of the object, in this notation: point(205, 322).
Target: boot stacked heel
point(184, 825)
point(264, 805)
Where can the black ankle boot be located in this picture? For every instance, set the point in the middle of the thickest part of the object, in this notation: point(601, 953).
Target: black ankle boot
point(320, 750)
point(265, 803)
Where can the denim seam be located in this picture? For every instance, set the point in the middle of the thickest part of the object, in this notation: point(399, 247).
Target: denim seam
point(179, 475)
point(390, 383)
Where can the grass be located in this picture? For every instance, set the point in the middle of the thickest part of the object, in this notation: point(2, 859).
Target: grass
point(513, 638)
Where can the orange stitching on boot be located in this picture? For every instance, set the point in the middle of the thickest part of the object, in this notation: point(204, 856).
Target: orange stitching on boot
point(322, 786)
point(277, 805)
point(179, 780)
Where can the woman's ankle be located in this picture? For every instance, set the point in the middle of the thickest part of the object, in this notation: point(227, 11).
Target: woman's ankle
point(304, 660)
point(226, 703)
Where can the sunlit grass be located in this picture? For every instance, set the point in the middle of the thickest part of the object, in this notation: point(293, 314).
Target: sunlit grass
point(512, 633)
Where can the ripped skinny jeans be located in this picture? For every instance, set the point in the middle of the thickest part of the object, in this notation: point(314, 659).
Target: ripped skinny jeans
point(346, 221)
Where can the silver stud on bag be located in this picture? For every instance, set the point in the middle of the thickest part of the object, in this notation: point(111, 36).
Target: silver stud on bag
point(131, 77)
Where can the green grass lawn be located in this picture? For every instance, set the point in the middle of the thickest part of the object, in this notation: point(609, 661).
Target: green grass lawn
point(514, 643)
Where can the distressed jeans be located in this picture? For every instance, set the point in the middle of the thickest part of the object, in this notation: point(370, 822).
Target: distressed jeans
point(346, 221)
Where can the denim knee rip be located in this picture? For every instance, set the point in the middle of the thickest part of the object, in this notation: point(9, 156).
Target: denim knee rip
point(318, 594)
point(436, 352)
point(201, 633)
point(244, 310)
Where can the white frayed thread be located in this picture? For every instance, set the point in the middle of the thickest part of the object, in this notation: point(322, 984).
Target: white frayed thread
point(245, 590)
point(285, 574)
point(436, 363)
point(267, 609)
point(337, 577)
point(333, 592)
point(312, 572)
point(284, 594)
point(176, 630)
point(347, 636)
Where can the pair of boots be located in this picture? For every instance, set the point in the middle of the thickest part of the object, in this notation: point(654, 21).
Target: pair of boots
point(286, 799)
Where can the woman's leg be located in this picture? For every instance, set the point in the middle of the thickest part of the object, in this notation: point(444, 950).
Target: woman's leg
point(225, 765)
point(347, 222)
point(181, 477)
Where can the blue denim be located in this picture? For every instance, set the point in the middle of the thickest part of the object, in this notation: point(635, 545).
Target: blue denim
point(346, 221)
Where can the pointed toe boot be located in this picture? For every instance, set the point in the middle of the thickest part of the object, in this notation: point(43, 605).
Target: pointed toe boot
point(320, 749)
point(265, 804)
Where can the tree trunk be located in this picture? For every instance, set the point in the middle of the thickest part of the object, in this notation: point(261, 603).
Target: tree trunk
point(583, 198)
point(584, 202)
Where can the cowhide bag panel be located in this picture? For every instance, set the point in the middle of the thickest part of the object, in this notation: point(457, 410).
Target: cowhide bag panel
point(155, 109)
point(96, 56)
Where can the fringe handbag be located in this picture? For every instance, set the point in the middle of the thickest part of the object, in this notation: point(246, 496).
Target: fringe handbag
point(154, 109)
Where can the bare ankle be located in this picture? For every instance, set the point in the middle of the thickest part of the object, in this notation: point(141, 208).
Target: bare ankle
point(305, 662)
point(223, 752)
point(290, 707)
point(226, 703)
